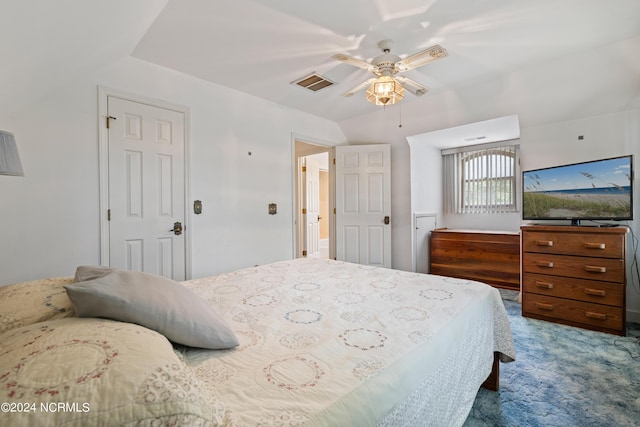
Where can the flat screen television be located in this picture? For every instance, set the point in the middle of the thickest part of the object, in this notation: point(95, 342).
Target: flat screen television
point(596, 190)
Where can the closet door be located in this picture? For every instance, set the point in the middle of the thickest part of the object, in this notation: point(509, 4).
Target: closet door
point(146, 188)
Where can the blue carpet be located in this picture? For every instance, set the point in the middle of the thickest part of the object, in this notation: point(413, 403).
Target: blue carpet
point(563, 376)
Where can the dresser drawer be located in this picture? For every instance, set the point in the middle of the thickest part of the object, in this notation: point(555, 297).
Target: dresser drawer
point(583, 244)
point(577, 289)
point(604, 269)
point(599, 316)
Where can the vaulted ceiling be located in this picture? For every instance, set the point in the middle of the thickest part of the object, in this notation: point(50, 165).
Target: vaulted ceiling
point(260, 46)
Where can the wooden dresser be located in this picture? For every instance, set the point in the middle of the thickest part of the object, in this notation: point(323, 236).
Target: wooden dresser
point(492, 257)
point(575, 275)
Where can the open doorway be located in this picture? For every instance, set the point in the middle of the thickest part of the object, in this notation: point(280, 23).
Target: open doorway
point(313, 226)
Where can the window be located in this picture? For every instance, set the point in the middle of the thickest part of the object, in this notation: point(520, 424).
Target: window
point(481, 179)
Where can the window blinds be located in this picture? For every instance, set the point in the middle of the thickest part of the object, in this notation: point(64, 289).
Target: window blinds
point(481, 180)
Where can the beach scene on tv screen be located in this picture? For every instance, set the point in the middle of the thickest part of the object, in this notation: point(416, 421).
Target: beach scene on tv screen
point(600, 189)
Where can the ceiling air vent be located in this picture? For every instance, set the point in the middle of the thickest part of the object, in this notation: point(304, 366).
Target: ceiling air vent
point(314, 82)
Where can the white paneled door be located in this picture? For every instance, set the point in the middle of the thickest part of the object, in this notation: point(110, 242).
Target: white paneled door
point(363, 204)
point(146, 188)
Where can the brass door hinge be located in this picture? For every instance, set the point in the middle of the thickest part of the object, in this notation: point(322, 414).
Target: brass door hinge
point(304, 253)
point(304, 169)
point(109, 118)
point(304, 211)
point(334, 160)
point(108, 214)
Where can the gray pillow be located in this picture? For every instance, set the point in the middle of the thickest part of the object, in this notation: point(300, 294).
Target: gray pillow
point(152, 301)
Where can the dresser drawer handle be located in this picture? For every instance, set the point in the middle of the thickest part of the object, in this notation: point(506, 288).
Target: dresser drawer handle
point(595, 269)
point(595, 292)
point(544, 285)
point(597, 316)
point(545, 264)
point(543, 242)
point(543, 306)
point(595, 245)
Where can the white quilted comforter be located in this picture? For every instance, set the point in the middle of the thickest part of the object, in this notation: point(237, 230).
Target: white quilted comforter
point(335, 344)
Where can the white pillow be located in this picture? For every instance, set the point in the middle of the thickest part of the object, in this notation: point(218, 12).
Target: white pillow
point(152, 301)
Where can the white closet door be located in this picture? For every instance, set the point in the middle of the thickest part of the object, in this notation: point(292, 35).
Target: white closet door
point(146, 188)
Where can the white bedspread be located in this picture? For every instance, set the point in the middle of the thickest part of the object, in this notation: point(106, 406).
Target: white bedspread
point(329, 343)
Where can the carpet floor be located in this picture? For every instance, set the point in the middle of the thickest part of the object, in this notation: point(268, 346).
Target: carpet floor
point(563, 376)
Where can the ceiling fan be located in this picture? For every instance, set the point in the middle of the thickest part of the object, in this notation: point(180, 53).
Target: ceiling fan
point(387, 87)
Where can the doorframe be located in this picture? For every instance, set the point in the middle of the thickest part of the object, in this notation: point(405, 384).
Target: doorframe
point(329, 148)
point(103, 167)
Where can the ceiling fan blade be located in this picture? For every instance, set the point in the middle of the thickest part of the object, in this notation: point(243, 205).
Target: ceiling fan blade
point(359, 87)
point(421, 58)
point(412, 86)
point(354, 61)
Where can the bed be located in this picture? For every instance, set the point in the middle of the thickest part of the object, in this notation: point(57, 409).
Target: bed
point(311, 342)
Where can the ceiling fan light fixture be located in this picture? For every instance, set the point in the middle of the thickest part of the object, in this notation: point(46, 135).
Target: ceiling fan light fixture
point(385, 91)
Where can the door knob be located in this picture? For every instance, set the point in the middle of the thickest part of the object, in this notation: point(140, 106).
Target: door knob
point(177, 228)
point(387, 220)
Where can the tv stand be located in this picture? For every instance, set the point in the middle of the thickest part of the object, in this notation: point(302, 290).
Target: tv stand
point(575, 276)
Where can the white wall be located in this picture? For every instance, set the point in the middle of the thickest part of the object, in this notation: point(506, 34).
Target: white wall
point(50, 217)
point(426, 180)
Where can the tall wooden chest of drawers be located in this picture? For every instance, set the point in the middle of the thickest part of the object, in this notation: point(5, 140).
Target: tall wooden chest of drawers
point(575, 275)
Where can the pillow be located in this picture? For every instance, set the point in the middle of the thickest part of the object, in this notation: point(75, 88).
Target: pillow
point(26, 303)
point(152, 301)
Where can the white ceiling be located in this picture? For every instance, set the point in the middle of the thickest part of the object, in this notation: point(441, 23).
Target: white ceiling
point(260, 46)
